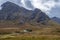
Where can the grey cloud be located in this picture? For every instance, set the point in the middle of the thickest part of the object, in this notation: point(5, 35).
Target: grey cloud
point(28, 4)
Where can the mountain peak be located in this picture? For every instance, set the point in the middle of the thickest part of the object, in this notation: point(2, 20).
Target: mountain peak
point(9, 6)
point(8, 2)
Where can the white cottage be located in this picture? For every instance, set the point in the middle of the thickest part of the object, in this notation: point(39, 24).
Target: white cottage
point(27, 30)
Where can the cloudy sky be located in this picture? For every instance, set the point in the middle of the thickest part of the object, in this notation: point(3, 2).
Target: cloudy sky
point(50, 7)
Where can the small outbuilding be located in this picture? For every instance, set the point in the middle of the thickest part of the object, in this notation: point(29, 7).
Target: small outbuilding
point(27, 30)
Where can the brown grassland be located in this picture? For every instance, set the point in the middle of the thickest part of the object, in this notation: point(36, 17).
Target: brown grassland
point(9, 31)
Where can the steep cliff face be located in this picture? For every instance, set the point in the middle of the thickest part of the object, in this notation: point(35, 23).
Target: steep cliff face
point(11, 11)
point(8, 9)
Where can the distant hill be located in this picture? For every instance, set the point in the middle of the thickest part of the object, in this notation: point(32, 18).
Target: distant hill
point(56, 19)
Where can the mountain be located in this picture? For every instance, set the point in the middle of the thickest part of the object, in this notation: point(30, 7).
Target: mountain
point(11, 11)
point(56, 19)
